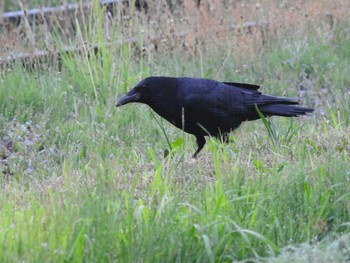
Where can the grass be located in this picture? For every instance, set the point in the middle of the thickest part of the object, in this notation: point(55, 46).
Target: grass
point(83, 181)
point(10, 6)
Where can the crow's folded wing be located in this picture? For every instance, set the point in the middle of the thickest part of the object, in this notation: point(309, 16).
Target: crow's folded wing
point(206, 106)
point(242, 85)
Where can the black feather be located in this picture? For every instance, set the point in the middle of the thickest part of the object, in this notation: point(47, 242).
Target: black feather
point(205, 107)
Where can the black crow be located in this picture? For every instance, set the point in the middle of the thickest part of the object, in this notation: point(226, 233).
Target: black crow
point(205, 107)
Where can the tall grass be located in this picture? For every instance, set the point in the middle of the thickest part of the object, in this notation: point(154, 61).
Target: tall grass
point(86, 182)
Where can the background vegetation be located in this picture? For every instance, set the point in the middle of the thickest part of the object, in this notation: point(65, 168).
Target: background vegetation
point(83, 181)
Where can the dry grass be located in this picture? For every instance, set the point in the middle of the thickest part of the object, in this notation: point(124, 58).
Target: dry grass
point(243, 26)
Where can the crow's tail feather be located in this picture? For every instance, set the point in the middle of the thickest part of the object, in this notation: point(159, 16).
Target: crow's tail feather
point(281, 106)
point(284, 110)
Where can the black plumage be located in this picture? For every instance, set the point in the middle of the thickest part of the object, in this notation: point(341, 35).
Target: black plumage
point(205, 107)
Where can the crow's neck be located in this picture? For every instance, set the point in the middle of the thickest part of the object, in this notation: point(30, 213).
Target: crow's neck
point(169, 107)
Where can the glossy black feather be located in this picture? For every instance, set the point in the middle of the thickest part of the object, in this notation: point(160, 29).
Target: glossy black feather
point(205, 107)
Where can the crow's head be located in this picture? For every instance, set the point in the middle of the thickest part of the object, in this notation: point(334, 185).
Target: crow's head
point(147, 90)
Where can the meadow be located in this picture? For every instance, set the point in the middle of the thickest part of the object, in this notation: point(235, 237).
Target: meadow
point(84, 181)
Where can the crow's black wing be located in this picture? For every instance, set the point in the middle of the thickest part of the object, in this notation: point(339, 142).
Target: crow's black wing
point(243, 85)
point(206, 105)
point(213, 113)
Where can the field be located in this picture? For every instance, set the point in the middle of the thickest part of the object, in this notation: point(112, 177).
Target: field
point(84, 181)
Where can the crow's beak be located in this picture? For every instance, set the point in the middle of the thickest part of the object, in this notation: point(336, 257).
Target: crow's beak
point(127, 98)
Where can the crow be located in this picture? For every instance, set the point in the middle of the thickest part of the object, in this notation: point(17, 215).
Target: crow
point(205, 107)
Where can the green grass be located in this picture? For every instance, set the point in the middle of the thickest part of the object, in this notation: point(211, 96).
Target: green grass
point(84, 181)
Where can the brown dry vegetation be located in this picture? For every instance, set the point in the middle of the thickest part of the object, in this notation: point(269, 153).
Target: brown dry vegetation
point(246, 27)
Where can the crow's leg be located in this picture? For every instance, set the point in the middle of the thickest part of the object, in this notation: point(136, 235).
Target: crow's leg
point(200, 143)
